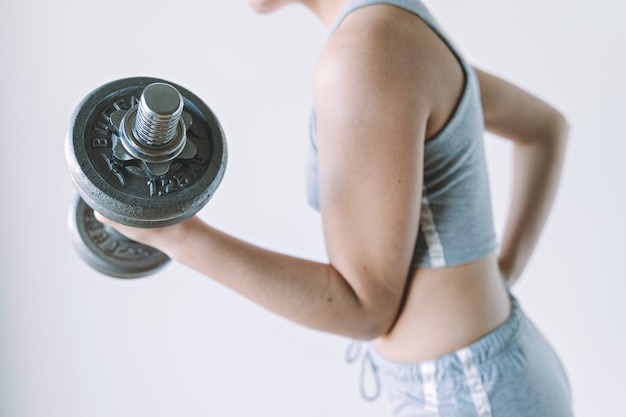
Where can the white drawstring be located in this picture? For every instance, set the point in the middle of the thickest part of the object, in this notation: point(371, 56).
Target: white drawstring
point(352, 355)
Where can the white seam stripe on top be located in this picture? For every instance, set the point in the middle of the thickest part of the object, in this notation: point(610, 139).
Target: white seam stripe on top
point(474, 383)
point(431, 399)
point(427, 224)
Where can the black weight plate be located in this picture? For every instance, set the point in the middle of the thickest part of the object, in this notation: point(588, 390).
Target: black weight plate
point(123, 191)
point(106, 250)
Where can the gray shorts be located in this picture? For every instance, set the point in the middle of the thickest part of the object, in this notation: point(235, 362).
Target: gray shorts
point(511, 372)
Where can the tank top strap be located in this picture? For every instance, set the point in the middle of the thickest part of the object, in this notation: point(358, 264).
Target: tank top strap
point(414, 6)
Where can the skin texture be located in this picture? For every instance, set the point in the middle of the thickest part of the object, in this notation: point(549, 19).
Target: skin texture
point(384, 85)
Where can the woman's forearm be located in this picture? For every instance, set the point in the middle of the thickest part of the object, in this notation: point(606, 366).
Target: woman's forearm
point(539, 134)
point(537, 168)
point(310, 293)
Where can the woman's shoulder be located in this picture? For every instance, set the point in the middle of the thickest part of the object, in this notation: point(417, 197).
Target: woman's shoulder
point(376, 23)
point(381, 41)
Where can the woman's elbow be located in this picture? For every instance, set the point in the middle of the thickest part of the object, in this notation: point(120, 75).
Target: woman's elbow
point(559, 129)
point(550, 135)
point(376, 323)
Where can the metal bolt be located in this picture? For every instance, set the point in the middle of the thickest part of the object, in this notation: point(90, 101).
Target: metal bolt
point(155, 130)
point(159, 111)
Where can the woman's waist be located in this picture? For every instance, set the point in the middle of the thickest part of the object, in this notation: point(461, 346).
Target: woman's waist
point(446, 309)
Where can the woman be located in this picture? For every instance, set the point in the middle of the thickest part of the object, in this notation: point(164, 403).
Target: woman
point(398, 174)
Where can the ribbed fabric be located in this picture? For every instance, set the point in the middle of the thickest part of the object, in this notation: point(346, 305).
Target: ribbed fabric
point(456, 221)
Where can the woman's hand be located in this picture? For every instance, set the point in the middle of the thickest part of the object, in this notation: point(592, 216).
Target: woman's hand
point(506, 271)
point(164, 239)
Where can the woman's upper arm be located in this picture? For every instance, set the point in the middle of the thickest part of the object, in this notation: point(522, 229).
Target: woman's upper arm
point(371, 120)
point(515, 114)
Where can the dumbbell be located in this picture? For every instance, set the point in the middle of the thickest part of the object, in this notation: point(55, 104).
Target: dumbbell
point(143, 152)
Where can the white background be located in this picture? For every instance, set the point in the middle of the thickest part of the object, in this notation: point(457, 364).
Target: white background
point(74, 343)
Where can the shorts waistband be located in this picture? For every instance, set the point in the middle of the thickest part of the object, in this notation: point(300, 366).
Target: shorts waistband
point(455, 364)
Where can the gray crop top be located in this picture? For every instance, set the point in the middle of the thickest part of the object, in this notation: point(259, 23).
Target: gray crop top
point(456, 221)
